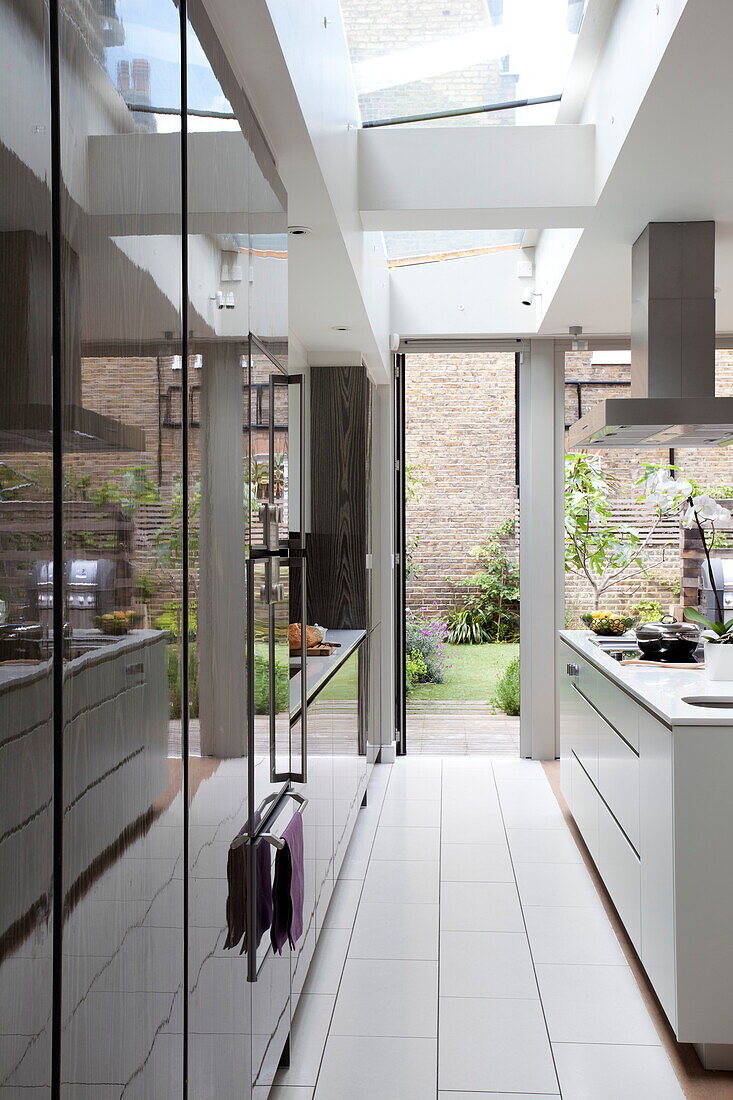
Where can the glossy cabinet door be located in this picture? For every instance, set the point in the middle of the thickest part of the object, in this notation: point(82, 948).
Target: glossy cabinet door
point(320, 793)
point(26, 547)
point(120, 303)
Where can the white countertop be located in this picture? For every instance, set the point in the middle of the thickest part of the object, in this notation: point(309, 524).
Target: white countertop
point(658, 688)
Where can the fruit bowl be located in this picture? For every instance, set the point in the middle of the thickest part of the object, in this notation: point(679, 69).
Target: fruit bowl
point(608, 624)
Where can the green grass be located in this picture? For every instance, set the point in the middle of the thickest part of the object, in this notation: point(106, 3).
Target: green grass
point(472, 676)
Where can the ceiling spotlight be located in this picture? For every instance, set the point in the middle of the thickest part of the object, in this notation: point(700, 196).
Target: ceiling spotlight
point(299, 230)
point(576, 332)
point(529, 297)
point(340, 328)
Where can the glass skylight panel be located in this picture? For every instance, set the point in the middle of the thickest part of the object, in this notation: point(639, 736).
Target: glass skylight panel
point(419, 246)
point(438, 55)
point(142, 56)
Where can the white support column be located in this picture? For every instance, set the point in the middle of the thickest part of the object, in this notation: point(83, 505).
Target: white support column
point(222, 594)
point(541, 555)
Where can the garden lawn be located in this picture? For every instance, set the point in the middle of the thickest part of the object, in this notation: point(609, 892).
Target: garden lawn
point(472, 676)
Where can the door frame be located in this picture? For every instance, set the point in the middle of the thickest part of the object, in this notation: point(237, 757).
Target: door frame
point(540, 432)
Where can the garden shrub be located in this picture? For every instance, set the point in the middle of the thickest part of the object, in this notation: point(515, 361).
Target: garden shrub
point(415, 668)
point(490, 614)
point(506, 697)
point(175, 691)
point(425, 637)
point(262, 685)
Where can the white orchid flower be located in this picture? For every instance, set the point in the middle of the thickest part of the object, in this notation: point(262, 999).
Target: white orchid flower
point(705, 509)
point(665, 492)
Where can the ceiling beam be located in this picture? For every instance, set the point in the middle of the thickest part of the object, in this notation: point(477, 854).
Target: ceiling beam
point(453, 177)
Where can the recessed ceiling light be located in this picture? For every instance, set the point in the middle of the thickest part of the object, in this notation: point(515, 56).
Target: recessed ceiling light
point(340, 328)
point(299, 230)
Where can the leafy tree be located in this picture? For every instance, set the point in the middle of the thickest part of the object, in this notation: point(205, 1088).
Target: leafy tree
point(598, 548)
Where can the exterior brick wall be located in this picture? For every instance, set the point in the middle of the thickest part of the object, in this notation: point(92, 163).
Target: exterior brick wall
point(460, 437)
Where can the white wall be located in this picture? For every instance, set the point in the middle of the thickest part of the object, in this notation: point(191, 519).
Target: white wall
point(470, 296)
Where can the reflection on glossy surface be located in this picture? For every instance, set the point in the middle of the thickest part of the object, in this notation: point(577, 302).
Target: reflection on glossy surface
point(26, 690)
point(123, 825)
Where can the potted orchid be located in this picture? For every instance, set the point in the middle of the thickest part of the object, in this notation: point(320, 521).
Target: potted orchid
point(663, 492)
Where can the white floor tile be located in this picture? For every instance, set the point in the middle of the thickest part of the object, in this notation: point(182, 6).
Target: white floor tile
point(556, 884)
point(496, 1044)
point(291, 1092)
point(498, 1096)
point(407, 881)
point(354, 866)
point(397, 997)
point(486, 964)
point(341, 911)
point(394, 931)
point(606, 1072)
point(324, 972)
point(479, 827)
point(366, 1068)
point(594, 1004)
point(480, 907)
point(394, 842)
point(508, 768)
point(543, 846)
point(476, 863)
point(408, 786)
point(529, 805)
point(412, 812)
point(307, 1040)
point(563, 934)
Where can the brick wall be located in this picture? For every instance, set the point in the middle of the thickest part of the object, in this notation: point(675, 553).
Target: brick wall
point(460, 436)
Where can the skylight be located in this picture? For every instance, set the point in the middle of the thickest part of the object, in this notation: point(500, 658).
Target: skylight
point(418, 57)
point(425, 246)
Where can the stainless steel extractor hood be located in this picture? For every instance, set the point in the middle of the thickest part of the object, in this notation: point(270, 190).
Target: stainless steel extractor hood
point(672, 402)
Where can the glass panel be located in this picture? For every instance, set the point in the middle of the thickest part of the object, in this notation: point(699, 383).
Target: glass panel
point(219, 198)
point(26, 546)
point(269, 408)
point(341, 694)
point(123, 582)
point(419, 58)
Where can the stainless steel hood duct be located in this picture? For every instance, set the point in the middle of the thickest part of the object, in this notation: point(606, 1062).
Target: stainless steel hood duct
point(672, 402)
point(25, 356)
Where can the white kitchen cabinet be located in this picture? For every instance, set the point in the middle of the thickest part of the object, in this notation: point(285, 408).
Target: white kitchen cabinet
point(620, 870)
point(648, 779)
point(657, 864)
point(618, 779)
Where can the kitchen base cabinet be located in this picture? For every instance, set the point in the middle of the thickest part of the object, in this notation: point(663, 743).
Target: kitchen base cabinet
point(651, 798)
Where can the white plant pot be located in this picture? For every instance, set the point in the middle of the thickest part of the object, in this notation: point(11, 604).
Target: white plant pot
point(718, 661)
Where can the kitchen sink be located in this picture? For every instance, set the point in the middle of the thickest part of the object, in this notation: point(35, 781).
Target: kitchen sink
point(720, 702)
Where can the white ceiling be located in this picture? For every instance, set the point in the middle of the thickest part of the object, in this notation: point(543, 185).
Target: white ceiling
point(676, 164)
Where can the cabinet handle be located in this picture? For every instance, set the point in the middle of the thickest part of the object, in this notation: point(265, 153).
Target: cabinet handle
point(572, 670)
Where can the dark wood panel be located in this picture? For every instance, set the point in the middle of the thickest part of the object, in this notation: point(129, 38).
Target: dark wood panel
point(340, 451)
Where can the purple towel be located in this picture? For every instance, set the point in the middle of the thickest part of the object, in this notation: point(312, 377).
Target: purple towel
point(237, 897)
point(288, 888)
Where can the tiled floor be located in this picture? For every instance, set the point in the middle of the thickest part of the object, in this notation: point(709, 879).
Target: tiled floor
point(469, 956)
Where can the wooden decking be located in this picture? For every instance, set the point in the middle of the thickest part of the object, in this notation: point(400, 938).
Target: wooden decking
point(460, 729)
